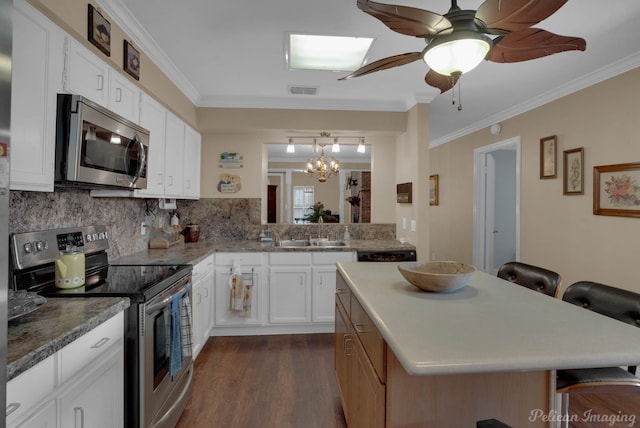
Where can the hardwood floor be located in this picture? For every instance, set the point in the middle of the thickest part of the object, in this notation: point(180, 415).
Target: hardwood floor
point(265, 381)
point(287, 381)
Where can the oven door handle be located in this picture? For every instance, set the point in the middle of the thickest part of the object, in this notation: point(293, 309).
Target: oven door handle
point(157, 306)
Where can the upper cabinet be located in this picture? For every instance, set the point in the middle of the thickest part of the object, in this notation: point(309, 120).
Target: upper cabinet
point(47, 61)
point(36, 80)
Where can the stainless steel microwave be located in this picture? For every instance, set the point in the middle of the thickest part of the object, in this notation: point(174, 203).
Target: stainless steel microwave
point(96, 148)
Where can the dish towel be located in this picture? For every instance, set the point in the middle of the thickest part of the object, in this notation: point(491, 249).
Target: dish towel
point(240, 301)
point(175, 357)
point(185, 323)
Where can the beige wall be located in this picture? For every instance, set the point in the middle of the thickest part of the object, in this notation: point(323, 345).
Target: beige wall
point(72, 16)
point(558, 232)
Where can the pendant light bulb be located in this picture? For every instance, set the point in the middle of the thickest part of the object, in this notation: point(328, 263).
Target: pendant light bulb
point(336, 147)
point(290, 147)
point(361, 148)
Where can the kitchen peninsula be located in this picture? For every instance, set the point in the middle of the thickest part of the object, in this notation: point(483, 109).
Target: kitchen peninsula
point(405, 357)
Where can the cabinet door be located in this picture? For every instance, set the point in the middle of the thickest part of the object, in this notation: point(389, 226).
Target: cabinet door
point(289, 295)
point(192, 146)
point(323, 294)
point(153, 118)
point(196, 313)
point(343, 349)
point(174, 156)
point(207, 294)
point(124, 97)
point(224, 315)
point(367, 394)
point(37, 75)
point(95, 399)
point(86, 75)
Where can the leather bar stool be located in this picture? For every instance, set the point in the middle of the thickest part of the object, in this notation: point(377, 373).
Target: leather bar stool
point(622, 305)
point(535, 278)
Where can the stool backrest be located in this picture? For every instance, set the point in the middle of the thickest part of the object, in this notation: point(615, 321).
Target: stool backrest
point(536, 278)
point(623, 305)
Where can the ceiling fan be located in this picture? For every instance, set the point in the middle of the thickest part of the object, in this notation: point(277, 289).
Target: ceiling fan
point(460, 39)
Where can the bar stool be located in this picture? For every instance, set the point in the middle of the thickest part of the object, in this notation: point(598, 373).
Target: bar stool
point(622, 305)
point(533, 277)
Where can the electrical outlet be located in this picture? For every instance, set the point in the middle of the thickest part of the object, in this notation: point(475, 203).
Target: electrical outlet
point(404, 223)
point(413, 225)
point(433, 256)
point(143, 228)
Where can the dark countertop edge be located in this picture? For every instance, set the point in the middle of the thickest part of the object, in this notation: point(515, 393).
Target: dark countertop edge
point(42, 351)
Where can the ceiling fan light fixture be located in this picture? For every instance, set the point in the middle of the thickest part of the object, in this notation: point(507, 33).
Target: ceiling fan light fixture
point(461, 51)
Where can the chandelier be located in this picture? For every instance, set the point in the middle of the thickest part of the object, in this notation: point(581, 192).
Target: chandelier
point(321, 169)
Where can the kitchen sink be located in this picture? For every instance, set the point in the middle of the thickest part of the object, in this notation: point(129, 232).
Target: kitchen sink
point(302, 243)
point(292, 243)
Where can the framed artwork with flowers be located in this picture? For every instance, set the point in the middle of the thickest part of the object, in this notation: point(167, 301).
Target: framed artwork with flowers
point(573, 179)
point(616, 190)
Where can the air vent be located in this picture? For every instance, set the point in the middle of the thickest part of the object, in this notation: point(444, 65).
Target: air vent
point(303, 90)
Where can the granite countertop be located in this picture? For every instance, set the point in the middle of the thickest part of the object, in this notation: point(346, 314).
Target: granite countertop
point(491, 325)
point(33, 337)
point(194, 252)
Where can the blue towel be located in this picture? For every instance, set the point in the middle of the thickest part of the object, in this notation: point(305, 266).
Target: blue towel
point(175, 357)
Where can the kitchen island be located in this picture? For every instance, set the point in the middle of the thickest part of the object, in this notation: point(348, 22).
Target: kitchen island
point(406, 357)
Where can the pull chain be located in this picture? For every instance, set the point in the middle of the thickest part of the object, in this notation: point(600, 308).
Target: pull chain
point(457, 80)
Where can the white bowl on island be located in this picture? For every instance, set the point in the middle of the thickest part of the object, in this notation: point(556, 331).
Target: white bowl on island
point(438, 276)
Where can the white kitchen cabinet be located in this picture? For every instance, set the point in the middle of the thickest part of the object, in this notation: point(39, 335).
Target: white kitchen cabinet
point(95, 398)
point(37, 63)
point(174, 156)
point(192, 147)
point(153, 118)
point(82, 382)
point(202, 303)
point(323, 284)
point(251, 267)
point(124, 96)
point(289, 288)
point(85, 73)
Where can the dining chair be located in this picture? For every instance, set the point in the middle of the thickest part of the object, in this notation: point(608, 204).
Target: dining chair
point(536, 278)
point(622, 305)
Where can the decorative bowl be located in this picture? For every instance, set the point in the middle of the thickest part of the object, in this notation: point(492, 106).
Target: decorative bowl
point(437, 276)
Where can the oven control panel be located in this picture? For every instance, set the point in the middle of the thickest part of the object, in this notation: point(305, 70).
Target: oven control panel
point(35, 248)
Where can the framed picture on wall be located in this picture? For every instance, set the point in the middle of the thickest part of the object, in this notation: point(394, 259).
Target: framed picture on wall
point(433, 190)
point(573, 172)
point(548, 155)
point(131, 60)
point(616, 190)
point(99, 31)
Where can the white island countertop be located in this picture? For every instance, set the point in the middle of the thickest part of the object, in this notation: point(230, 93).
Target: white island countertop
point(490, 325)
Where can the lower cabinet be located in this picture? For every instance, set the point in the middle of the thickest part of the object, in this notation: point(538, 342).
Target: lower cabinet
point(289, 288)
point(79, 386)
point(202, 302)
point(251, 271)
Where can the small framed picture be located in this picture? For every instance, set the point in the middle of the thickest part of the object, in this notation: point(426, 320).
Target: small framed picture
point(99, 31)
point(433, 190)
point(548, 155)
point(573, 176)
point(131, 62)
point(616, 190)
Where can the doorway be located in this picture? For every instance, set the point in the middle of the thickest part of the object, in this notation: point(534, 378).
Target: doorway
point(496, 205)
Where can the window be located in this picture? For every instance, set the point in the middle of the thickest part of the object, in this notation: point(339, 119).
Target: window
point(302, 201)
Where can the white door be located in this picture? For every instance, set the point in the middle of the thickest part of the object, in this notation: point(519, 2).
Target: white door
point(496, 205)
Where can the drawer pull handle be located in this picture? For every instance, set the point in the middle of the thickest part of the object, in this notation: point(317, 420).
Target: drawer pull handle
point(360, 328)
point(100, 82)
point(100, 343)
point(12, 407)
point(347, 349)
point(79, 411)
point(341, 291)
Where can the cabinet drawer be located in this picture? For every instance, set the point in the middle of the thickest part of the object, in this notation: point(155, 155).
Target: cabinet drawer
point(246, 259)
point(343, 293)
point(331, 258)
point(90, 346)
point(29, 389)
point(372, 341)
point(290, 258)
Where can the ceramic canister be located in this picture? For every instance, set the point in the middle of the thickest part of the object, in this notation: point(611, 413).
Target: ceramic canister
point(69, 268)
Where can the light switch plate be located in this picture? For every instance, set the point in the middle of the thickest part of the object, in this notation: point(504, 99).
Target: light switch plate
point(413, 225)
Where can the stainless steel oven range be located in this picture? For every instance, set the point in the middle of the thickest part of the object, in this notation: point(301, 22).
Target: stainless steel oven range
point(158, 375)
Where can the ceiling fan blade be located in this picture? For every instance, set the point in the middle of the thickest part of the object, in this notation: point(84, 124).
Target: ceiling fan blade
point(383, 64)
point(503, 16)
point(530, 44)
point(440, 81)
point(406, 20)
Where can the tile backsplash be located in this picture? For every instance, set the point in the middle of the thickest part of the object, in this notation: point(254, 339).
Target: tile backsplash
point(219, 219)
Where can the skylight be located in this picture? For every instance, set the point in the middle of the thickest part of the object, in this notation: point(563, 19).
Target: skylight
point(332, 53)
